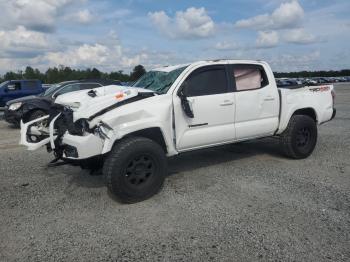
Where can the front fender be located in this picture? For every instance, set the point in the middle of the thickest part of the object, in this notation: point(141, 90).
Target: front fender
point(116, 135)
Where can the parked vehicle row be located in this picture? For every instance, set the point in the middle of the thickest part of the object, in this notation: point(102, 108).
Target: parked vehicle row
point(31, 107)
point(130, 131)
point(283, 82)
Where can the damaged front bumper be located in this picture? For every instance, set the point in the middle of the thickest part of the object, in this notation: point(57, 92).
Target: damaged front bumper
point(65, 145)
point(34, 136)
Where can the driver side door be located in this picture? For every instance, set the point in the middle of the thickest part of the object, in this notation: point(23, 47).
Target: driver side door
point(212, 102)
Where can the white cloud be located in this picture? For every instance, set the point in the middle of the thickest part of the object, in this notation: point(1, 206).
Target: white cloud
point(287, 15)
point(108, 56)
point(225, 46)
point(128, 62)
point(299, 36)
point(295, 62)
point(84, 16)
point(22, 41)
point(38, 15)
point(85, 55)
point(267, 39)
point(192, 23)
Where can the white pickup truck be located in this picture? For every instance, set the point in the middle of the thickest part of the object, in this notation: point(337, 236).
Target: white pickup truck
point(131, 130)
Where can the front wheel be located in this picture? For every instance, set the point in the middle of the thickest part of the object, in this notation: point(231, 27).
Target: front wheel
point(135, 169)
point(298, 141)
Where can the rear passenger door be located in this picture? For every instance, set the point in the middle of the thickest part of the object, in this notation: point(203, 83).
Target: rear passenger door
point(257, 101)
point(212, 104)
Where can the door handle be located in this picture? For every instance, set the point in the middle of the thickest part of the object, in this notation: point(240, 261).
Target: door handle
point(227, 103)
point(269, 98)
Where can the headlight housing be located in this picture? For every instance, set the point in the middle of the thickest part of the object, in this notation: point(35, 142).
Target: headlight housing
point(15, 106)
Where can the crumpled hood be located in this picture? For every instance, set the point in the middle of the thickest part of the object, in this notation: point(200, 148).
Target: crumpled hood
point(21, 99)
point(85, 105)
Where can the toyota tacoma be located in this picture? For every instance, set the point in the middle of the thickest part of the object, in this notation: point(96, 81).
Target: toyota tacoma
point(130, 131)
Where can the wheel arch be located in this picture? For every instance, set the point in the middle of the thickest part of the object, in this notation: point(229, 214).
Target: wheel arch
point(155, 134)
point(29, 108)
point(308, 111)
point(27, 114)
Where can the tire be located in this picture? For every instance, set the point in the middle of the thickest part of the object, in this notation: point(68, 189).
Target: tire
point(298, 141)
point(35, 114)
point(135, 169)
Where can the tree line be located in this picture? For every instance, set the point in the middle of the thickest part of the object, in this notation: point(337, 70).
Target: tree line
point(65, 73)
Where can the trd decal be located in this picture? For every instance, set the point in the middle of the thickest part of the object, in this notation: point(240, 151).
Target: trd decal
point(320, 89)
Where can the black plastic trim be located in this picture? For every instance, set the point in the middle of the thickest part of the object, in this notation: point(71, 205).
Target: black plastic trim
point(140, 96)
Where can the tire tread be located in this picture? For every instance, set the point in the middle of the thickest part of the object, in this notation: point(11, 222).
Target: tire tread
point(286, 138)
point(112, 162)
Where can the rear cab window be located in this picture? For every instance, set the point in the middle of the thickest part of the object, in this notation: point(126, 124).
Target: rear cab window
point(248, 77)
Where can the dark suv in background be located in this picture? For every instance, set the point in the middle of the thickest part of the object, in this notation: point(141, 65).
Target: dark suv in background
point(32, 107)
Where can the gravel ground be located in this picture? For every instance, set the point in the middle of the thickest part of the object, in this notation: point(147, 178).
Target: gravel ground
point(235, 203)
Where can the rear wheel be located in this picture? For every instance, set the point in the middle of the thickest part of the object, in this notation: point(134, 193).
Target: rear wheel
point(299, 139)
point(135, 169)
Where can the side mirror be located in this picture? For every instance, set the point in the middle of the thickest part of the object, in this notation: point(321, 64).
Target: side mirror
point(184, 102)
point(184, 90)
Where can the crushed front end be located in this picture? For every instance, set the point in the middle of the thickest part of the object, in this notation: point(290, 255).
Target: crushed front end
point(67, 139)
point(73, 130)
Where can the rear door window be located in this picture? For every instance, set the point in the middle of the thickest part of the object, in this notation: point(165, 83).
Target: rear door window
point(249, 77)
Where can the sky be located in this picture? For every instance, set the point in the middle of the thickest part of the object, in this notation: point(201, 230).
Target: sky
point(291, 35)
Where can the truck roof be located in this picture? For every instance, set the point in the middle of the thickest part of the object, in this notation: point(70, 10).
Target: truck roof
point(208, 62)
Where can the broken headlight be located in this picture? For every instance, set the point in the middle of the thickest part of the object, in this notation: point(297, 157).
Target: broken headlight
point(80, 127)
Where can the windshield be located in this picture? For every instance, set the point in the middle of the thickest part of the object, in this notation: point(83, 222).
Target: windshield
point(159, 81)
point(3, 84)
point(52, 89)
